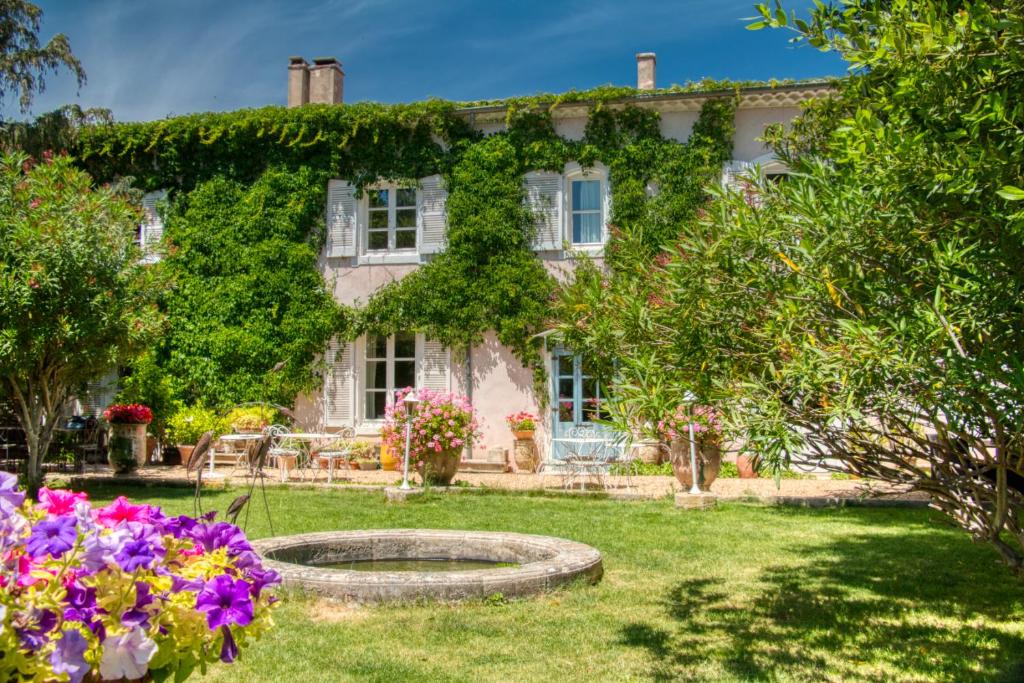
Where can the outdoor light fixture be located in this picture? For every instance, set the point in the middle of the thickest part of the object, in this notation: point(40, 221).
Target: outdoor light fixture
point(694, 488)
point(410, 402)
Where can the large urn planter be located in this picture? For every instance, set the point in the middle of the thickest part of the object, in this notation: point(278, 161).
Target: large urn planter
point(133, 436)
point(439, 469)
point(525, 453)
point(709, 463)
point(185, 453)
point(745, 466)
point(389, 460)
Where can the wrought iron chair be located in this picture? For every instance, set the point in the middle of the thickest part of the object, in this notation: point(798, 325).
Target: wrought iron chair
point(588, 457)
point(280, 448)
point(339, 449)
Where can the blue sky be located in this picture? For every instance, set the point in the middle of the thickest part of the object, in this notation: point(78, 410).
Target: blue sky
point(147, 59)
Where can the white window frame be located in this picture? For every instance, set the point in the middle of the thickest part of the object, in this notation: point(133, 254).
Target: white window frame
point(362, 348)
point(574, 172)
point(392, 253)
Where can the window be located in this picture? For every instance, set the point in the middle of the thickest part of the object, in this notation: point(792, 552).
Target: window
point(390, 365)
point(391, 219)
point(587, 214)
point(579, 398)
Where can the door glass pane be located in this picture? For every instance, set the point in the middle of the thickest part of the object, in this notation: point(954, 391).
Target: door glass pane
point(378, 198)
point(405, 239)
point(376, 374)
point(405, 345)
point(405, 374)
point(378, 240)
point(375, 403)
point(564, 366)
point(565, 388)
point(376, 346)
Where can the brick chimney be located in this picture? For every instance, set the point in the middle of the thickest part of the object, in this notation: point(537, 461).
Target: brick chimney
point(298, 81)
point(326, 81)
point(645, 62)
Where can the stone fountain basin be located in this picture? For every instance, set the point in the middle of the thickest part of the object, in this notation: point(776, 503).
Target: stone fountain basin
point(544, 562)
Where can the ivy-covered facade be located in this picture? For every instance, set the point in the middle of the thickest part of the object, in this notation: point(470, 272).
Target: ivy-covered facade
point(363, 247)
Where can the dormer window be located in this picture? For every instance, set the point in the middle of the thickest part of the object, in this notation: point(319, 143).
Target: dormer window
point(391, 219)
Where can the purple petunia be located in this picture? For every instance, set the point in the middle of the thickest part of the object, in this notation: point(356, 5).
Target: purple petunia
point(226, 601)
point(220, 535)
point(126, 655)
point(52, 536)
point(69, 656)
point(135, 554)
point(10, 497)
point(99, 548)
point(35, 637)
point(259, 578)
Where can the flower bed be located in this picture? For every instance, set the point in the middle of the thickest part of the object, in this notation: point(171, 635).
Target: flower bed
point(119, 591)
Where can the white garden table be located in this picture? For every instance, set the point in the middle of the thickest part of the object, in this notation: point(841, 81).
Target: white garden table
point(585, 457)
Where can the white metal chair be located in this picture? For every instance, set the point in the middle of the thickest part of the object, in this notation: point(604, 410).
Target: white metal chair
point(280, 449)
point(340, 450)
point(588, 457)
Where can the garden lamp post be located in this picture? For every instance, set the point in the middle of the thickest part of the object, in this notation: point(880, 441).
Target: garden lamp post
point(694, 488)
point(410, 402)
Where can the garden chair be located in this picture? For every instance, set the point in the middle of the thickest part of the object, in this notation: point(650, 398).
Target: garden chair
point(339, 450)
point(588, 457)
point(282, 452)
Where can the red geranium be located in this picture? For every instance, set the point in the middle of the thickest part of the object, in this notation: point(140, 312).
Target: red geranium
point(131, 413)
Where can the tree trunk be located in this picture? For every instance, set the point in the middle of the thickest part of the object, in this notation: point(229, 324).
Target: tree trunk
point(38, 415)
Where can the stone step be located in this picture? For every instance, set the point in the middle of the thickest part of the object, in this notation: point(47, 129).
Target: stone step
point(481, 466)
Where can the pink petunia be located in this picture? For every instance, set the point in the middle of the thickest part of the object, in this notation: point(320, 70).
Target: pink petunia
point(122, 511)
point(59, 502)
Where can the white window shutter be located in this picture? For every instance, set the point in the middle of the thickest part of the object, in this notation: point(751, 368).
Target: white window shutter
point(732, 173)
point(341, 218)
point(434, 365)
point(431, 215)
point(544, 197)
point(339, 385)
point(152, 225)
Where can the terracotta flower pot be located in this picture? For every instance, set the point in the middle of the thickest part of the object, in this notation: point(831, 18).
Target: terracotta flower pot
point(709, 463)
point(438, 469)
point(184, 453)
point(745, 465)
point(649, 451)
point(524, 434)
point(367, 465)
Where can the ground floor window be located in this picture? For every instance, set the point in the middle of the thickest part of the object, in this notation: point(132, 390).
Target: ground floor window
point(390, 365)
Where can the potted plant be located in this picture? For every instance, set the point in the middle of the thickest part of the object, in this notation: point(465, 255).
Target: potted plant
point(188, 424)
point(707, 433)
point(123, 591)
point(128, 427)
point(251, 419)
point(522, 424)
point(442, 425)
point(746, 464)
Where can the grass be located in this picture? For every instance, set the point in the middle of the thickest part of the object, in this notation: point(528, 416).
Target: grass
point(737, 593)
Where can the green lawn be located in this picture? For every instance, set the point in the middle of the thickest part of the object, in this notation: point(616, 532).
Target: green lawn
point(738, 593)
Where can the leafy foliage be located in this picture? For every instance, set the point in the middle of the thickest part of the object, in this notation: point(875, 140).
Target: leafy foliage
point(869, 308)
point(75, 299)
point(23, 62)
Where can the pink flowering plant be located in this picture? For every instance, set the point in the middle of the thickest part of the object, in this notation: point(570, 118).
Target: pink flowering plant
point(706, 420)
point(521, 421)
point(441, 422)
point(121, 591)
point(130, 413)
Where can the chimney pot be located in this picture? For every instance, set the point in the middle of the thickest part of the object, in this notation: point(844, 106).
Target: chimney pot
point(326, 81)
point(298, 81)
point(645, 63)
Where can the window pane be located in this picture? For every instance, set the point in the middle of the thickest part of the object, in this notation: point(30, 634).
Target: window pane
point(378, 240)
point(564, 366)
point(376, 346)
point(406, 196)
point(405, 345)
point(378, 198)
point(589, 388)
point(586, 195)
point(591, 409)
point(405, 374)
point(376, 374)
point(405, 218)
point(405, 239)
point(378, 219)
point(565, 388)
point(586, 228)
point(375, 403)
point(565, 411)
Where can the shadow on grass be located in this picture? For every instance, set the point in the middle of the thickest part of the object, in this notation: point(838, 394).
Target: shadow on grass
point(920, 606)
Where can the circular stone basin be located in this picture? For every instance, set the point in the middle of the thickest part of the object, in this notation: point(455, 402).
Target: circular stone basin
point(543, 562)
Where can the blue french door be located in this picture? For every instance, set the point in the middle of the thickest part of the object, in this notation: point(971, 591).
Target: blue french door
point(577, 400)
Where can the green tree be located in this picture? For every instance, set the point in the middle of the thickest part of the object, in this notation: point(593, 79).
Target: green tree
point(871, 307)
point(75, 299)
point(23, 61)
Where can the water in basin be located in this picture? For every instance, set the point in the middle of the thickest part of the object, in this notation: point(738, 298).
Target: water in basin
point(417, 565)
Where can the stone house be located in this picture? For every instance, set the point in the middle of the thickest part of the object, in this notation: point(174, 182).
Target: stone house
point(391, 230)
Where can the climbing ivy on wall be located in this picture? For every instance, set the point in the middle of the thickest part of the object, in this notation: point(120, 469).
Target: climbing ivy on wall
point(245, 222)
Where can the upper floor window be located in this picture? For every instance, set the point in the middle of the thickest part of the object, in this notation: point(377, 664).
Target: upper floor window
point(390, 365)
point(391, 219)
point(587, 213)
